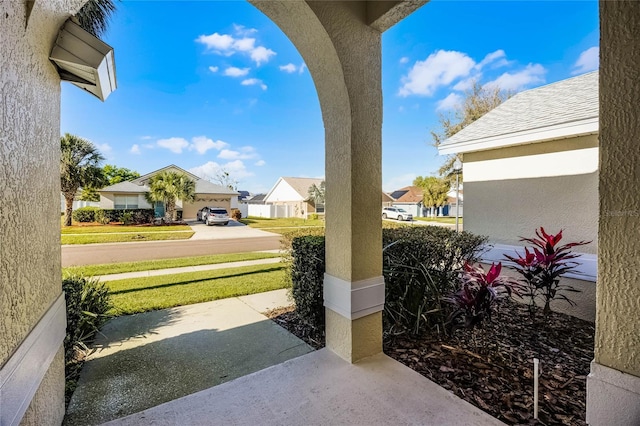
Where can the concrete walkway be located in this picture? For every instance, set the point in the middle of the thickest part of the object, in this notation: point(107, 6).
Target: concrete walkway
point(147, 359)
point(320, 389)
point(196, 268)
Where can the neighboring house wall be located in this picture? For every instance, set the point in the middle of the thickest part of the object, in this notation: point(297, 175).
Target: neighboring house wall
point(414, 209)
point(77, 204)
point(283, 192)
point(31, 299)
point(115, 201)
point(505, 200)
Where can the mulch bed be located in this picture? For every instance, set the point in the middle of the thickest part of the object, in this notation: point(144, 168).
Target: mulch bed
point(492, 367)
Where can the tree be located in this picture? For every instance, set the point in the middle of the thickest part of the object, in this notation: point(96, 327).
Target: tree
point(434, 191)
point(223, 178)
point(316, 193)
point(168, 187)
point(94, 16)
point(113, 174)
point(79, 167)
point(478, 101)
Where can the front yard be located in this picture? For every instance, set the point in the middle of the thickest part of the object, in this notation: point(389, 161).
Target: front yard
point(115, 233)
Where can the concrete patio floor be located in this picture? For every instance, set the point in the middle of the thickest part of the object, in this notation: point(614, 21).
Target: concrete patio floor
point(319, 389)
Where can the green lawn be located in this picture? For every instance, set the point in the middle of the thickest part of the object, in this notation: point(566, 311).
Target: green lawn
point(290, 222)
point(101, 229)
point(451, 220)
point(166, 291)
point(126, 237)
point(149, 265)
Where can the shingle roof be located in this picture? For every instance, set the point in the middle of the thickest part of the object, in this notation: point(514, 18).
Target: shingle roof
point(408, 194)
point(126, 186)
point(302, 185)
point(564, 102)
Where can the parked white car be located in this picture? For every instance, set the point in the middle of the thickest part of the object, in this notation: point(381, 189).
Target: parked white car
point(396, 213)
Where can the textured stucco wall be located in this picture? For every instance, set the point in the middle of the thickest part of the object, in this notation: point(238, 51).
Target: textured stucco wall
point(30, 185)
point(506, 209)
point(618, 294)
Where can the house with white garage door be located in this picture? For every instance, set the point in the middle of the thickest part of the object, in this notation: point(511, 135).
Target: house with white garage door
point(531, 162)
point(131, 195)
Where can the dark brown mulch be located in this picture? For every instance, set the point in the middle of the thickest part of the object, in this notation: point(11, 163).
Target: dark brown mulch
point(492, 367)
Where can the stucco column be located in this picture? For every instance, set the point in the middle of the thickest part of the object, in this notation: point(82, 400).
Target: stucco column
point(613, 387)
point(353, 286)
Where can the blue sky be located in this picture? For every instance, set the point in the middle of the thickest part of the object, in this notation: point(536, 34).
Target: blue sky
point(211, 85)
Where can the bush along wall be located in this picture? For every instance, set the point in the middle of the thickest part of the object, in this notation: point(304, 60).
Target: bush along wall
point(134, 216)
point(88, 302)
point(85, 214)
point(420, 268)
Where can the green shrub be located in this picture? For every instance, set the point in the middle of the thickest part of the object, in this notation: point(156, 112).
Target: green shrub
point(85, 214)
point(101, 217)
point(420, 265)
point(307, 274)
point(88, 302)
point(420, 268)
point(127, 218)
point(139, 216)
point(313, 216)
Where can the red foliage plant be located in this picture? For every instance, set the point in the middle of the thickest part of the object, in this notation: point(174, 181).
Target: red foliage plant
point(479, 290)
point(542, 267)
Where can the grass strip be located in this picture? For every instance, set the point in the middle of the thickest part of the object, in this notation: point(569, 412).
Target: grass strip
point(152, 265)
point(125, 238)
point(151, 293)
point(102, 229)
point(451, 220)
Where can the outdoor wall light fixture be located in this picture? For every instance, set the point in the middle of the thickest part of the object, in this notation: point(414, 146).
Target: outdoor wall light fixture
point(84, 60)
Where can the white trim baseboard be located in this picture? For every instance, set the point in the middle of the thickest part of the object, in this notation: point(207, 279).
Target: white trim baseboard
point(22, 374)
point(354, 300)
point(613, 397)
point(587, 269)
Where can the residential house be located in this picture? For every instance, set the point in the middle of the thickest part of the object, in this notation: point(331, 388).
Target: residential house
point(131, 195)
point(531, 162)
point(410, 198)
point(340, 41)
point(290, 196)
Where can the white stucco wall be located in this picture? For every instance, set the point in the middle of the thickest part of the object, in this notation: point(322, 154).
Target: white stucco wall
point(510, 192)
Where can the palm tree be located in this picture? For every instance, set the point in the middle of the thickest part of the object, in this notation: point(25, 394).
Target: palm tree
point(316, 193)
point(168, 187)
point(94, 16)
point(435, 193)
point(79, 168)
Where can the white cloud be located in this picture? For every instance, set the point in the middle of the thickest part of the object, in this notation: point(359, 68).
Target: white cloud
point(213, 69)
point(398, 182)
point(467, 83)
point(532, 74)
point(492, 57)
point(449, 102)
point(236, 169)
point(227, 45)
point(439, 69)
point(241, 30)
point(105, 148)
point(261, 54)
point(135, 149)
point(588, 60)
point(302, 67)
point(404, 60)
point(289, 68)
point(260, 163)
point(244, 153)
point(253, 82)
point(175, 145)
point(202, 144)
point(236, 72)
point(146, 138)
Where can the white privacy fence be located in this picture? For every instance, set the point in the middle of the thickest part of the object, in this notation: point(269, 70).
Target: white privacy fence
point(268, 211)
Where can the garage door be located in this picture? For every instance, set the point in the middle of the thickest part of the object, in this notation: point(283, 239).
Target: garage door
point(190, 210)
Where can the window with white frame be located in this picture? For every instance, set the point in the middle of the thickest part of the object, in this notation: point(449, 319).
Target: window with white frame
point(122, 202)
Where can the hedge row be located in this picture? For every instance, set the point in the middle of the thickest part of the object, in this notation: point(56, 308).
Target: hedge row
point(96, 214)
point(419, 267)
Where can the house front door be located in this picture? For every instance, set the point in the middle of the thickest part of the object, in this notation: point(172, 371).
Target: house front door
point(159, 209)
